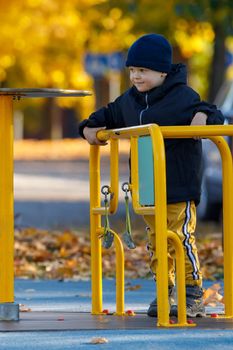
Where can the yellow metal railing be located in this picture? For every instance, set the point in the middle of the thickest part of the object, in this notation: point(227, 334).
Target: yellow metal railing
point(6, 203)
point(160, 220)
point(96, 211)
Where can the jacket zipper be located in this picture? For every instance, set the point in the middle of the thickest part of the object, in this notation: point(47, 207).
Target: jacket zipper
point(143, 110)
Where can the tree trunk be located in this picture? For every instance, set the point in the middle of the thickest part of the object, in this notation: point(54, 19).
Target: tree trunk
point(217, 73)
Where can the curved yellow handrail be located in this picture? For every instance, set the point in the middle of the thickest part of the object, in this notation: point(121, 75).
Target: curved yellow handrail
point(157, 134)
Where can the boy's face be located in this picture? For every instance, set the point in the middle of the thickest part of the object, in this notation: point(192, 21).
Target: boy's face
point(145, 79)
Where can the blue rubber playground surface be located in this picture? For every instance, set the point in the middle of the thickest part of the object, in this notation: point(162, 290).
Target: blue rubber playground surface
point(52, 301)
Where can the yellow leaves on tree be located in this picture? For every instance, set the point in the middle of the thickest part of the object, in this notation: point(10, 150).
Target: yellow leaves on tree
point(43, 42)
point(193, 39)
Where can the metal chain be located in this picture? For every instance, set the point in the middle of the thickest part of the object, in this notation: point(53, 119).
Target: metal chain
point(127, 235)
point(108, 237)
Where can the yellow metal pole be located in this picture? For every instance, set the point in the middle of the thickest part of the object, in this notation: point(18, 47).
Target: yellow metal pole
point(95, 223)
point(120, 271)
point(168, 131)
point(6, 201)
point(160, 225)
point(134, 171)
point(114, 175)
point(199, 130)
point(227, 173)
point(180, 276)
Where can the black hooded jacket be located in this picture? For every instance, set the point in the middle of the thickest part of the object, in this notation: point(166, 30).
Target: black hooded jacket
point(172, 103)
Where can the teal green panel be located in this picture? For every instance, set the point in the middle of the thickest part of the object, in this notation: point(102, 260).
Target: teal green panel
point(145, 171)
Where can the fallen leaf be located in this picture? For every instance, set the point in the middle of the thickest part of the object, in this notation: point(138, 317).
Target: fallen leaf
point(99, 340)
point(212, 296)
point(24, 308)
point(66, 254)
point(135, 287)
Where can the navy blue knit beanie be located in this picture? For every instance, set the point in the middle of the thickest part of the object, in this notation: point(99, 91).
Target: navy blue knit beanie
point(151, 51)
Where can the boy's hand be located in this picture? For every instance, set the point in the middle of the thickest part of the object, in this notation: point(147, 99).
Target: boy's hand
point(199, 119)
point(90, 136)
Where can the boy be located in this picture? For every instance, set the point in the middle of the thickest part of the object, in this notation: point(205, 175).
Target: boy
point(160, 95)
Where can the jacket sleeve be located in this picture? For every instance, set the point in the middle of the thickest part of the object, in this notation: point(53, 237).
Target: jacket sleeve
point(215, 116)
point(109, 116)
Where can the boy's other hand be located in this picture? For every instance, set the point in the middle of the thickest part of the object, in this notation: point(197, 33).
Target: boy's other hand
point(90, 136)
point(199, 119)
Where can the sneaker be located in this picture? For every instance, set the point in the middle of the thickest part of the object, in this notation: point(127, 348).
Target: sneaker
point(194, 303)
point(152, 311)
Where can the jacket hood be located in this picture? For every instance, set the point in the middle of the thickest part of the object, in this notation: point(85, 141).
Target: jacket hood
point(177, 76)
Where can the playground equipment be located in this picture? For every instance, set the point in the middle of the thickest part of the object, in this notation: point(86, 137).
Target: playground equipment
point(8, 309)
point(96, 212)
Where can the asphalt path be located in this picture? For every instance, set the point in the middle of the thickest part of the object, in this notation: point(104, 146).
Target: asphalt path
point(55, 194)
point(75, 296)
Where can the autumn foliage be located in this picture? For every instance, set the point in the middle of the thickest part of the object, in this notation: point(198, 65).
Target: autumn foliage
point(44, 42)
point(66, 254)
